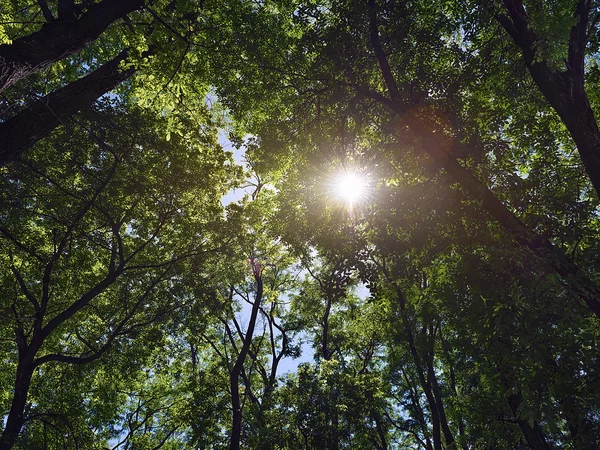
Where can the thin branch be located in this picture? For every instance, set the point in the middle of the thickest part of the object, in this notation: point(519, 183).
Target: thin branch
point(166, 25)
point(63, 243)
point(25, 289)
point(119, 331)
point(7, 234)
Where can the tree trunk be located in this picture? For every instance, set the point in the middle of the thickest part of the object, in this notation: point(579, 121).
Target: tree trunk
point(380, 431)
point(236, 419)
point(437, 393)
point(234, 376)
point(571, 103)
point(533, 433)
point(461, 424)
point(16, 418)
point(565, 91)
point(333, 435)
point(576, 282)
point(425, 382)
point(58, 39)
point(32, 124)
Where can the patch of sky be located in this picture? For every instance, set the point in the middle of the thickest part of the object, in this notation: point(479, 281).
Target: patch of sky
point(239, 154)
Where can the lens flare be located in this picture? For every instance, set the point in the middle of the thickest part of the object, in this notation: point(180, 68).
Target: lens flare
point(350, 187)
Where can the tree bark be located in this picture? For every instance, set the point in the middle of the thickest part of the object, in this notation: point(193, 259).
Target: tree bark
point(32, 124)
point(565, 91)
point(59, 39)
point(234, 376)
point(16, 417)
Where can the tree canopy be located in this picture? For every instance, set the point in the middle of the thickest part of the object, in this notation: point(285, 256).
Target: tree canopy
point(411, 258)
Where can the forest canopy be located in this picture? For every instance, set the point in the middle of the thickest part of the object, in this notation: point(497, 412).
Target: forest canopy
point(286, 224)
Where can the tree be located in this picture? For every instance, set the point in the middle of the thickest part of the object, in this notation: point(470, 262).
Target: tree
point(90, 53)
point(109, 237)
point(435, 129)
point(29, 126)
point(563, 87)
point(454, 305)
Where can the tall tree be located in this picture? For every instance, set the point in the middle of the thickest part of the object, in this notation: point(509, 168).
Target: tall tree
point(559, 69)
point(374, 89)
point(94, 223)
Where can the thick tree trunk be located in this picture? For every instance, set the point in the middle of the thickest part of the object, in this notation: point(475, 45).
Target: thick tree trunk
point(571, 103)
point(565, 91)
point(58, 39)
point(35, 122)
point(16, 418)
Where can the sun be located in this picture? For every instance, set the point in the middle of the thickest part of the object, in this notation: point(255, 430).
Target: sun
point(350, 187)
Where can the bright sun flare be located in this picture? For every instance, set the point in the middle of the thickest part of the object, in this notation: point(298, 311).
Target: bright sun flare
point(350, 187)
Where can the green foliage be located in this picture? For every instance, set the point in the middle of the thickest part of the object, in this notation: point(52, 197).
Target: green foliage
point(427, 325)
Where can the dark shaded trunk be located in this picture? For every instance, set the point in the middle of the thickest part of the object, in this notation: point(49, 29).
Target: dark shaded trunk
point(533, 433)
point(565, 91)
point(58, 39)
point(236, 371)
point(32, 124)
point(236, 421)
point(567, 96)
point(16, 417)
point(579, 119)
point(576, 281)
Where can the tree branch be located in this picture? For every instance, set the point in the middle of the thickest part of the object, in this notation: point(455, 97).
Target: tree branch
point(45, 10)
point(384, 65)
